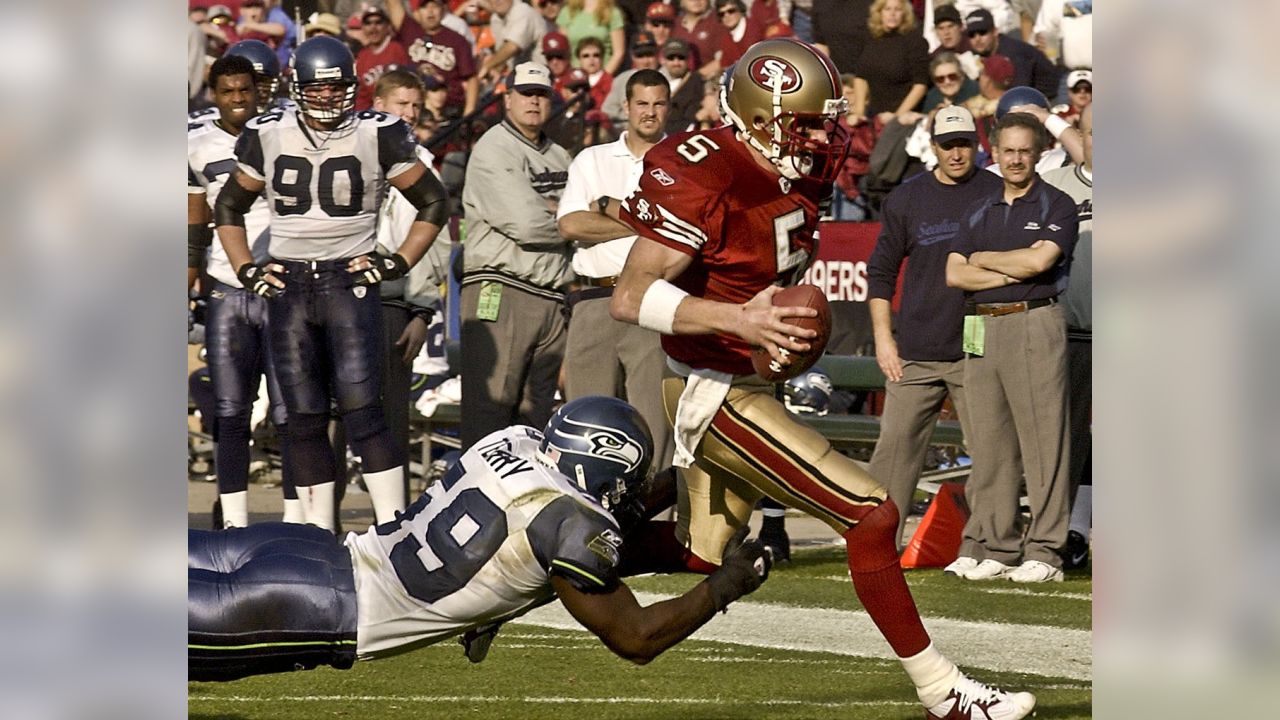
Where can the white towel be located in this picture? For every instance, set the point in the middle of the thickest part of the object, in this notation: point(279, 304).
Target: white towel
point(704, 393)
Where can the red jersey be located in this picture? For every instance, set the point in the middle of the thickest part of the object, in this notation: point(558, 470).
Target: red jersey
point(746, 228)
point(371, 63)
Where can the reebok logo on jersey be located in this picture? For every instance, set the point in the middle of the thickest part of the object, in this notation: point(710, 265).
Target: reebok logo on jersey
point(1032, 225)
point(1054, 228)
point(662, 177)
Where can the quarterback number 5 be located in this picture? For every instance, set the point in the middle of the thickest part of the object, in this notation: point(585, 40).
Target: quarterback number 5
point(696, 148)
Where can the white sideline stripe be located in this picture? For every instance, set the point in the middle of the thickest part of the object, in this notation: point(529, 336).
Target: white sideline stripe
point(974, 586)
point(550, 700)
point(1033, 649)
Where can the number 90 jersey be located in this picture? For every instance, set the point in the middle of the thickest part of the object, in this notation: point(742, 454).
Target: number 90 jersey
point(703, 194)
point(480, 545)
point(324, 189)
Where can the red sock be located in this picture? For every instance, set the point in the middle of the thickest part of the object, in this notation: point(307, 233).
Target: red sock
point(879, 583)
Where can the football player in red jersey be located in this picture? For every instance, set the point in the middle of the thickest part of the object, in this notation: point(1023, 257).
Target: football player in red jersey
point(724, 217)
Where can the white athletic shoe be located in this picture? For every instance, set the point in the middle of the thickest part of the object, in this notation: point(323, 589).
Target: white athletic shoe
point(961, 566)
point(988, 570)
point(1034, 571)
point(971, 700)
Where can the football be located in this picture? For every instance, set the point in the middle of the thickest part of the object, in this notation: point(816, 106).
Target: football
point(797, 296)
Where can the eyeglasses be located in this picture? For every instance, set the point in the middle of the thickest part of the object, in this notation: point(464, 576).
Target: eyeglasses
point(674, 56)
point(949, 77)
point(1082, 88)
point(588, 55)
point(727, 11)
point(976, 33)
point(643, 53)
point(661, 23)
point(375, 21)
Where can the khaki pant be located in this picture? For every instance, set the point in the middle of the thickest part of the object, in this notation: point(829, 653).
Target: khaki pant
point(511, 364)
point(606, 357)
point(1017, 413)
point(754, 447)
point(911, 409)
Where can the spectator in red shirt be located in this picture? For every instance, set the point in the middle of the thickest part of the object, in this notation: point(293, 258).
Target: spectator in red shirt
point(591, 60)
point(437, 50)
point(555, 48)
point(380, 54)
point(741, 31)
point(660, 19)
point(702, 30)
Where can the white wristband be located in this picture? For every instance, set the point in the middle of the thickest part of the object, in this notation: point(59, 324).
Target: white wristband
point(1056, 126)
point(658, 306)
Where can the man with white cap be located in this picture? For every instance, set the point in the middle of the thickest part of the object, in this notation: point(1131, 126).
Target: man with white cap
point(517, 265)
point(920, 355)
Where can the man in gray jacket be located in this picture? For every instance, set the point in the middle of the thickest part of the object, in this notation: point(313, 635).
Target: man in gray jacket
point(517, 266)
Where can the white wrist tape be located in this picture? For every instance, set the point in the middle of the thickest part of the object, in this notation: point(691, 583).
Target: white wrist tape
point(1056, 126)
point(658, 306)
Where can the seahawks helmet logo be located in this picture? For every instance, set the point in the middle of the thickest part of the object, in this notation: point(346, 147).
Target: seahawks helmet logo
point(769, 70)
point(616, 446)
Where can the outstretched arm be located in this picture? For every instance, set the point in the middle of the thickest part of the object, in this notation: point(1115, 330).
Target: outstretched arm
point(640, 634)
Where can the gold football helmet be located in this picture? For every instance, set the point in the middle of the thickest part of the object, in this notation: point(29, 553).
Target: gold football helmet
point(776, 95)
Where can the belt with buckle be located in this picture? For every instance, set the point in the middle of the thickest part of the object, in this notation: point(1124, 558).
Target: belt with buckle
point(998, 309)
point(600, 282)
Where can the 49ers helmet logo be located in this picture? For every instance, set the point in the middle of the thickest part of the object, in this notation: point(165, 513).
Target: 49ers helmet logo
point(765, 69)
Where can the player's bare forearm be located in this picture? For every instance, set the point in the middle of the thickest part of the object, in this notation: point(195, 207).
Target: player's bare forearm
point(961, 274)
point(418, 241)
point(236, 242)
point(587, 227)
point(635, 633)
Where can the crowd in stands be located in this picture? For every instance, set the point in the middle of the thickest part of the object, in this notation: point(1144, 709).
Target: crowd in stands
point(901, 63)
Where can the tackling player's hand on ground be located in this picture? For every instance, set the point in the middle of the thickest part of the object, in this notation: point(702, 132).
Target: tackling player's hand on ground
point(262, 279)
point(764, 324)
point(741, 572)
point(372, 269)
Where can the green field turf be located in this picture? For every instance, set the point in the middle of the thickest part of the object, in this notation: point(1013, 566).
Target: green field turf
point(538, 671)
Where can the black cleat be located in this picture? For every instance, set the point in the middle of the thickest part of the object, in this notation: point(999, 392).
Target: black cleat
point(476, 641)
point(1076, 554)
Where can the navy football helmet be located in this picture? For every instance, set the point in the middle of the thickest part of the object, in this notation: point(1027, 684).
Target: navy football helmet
point(602, 444)
point(266, 69)
point(808, 392)
point(1020, 95)
point(322, 61)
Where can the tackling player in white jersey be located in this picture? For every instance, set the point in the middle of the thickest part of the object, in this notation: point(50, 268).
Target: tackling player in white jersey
point(524, 517)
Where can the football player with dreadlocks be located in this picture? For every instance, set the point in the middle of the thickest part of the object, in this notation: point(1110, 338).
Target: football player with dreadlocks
point(725, 216)
point(524, 517)
point(324, 170)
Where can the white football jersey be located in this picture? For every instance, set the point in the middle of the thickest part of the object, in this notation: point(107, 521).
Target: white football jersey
point(479, 546)
point(324, 189)
point(210, 160)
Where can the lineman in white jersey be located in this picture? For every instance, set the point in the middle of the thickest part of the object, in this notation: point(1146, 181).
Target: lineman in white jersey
point(236, 335)
point(325, 171)
point(522, 518)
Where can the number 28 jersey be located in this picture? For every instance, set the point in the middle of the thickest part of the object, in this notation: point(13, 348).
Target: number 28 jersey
point(702, 194)
point(324, 189)
point(480, 545)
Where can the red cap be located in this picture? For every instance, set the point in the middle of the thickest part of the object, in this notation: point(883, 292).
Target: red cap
point(660, 11)
point(555, 43)
point(999, 68)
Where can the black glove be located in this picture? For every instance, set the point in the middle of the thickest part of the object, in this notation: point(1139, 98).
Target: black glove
point(254, 279)
point(385, 268)
point(740, 573)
